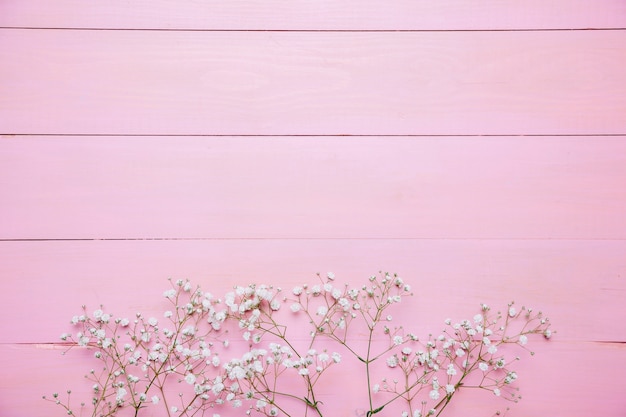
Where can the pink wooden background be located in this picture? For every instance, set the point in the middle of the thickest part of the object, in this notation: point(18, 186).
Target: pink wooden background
point(476, 147)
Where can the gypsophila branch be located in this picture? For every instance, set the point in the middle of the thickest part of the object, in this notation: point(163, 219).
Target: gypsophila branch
point(257, 350)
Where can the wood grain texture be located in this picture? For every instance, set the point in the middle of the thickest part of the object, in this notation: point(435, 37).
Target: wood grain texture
point(120, 167)
point(317, 15)
point(578, 284)
point(312, 187)
point(259, 83)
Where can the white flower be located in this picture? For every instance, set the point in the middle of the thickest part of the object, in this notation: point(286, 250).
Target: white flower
point(434, 394)
point(483, 366)
point(275, 305)
point(322, 310)
point(169, 293)
point(478, 318)
point(547, 334)
point(237, 373)
point(496, 392)
point(153, 322)
point(376, 388)
point(297, 290)
point(451, 370)
point(512, 312)
point(155, 399)
point(295, 307)
point(460, 352)
point(124, 322)
point(189, 330)
point(523, 339)
point(397, 340)
point(336, 357)
point(392, 361)
point(303, 371)
point(417, 413)
point(121, 393)
point(449, 389)
point(330, 276)
point(190, 379)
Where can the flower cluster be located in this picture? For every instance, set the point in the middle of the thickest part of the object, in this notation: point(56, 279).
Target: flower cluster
point(260, 350)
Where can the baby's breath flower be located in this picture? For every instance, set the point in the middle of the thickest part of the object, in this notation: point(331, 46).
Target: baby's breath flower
point(392, 361)
point(193, 347)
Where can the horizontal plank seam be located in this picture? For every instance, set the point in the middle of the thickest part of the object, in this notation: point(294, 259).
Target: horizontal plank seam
point(308, 135)
point(135, 239)
point(313, 30)
point(68, 345)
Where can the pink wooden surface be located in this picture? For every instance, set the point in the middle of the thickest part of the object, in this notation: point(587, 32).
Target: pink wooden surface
point(560, 366)
point(102, 196)
point(315, 15)
point(366, 187)
point(579, 283)
point(267, 83)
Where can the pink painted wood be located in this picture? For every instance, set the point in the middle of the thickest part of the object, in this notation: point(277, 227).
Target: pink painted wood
point(233, 83)
point(317, 15)
point(578, 283)
point(373, 187)
point(93, 147)
point(551, 383)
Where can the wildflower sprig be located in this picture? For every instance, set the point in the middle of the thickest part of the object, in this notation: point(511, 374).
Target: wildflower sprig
point(259, 350)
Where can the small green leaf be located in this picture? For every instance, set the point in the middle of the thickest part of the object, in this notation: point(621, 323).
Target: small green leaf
point(378, 410)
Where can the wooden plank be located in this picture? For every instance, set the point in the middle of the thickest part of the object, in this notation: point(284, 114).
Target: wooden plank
point(313, 187)
point(267, 83)
point(553, 382)
point(318, 15)
point(578, 283)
